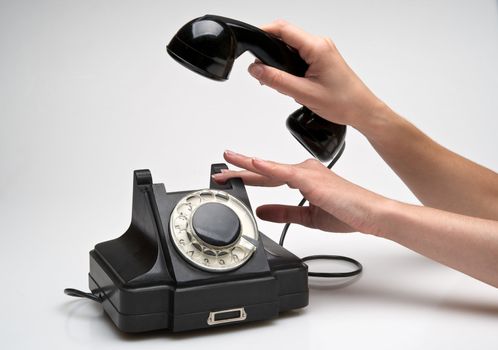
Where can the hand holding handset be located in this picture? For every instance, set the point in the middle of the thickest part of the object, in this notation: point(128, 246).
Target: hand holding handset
point(208, 45)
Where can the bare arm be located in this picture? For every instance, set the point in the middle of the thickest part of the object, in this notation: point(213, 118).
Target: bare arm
point(438, 177)
point(461, 230)
point(465, 243)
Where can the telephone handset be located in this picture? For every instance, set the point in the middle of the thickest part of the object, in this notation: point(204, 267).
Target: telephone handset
point(208, 45)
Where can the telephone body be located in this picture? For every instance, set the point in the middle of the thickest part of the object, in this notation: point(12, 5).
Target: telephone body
point(194, 259)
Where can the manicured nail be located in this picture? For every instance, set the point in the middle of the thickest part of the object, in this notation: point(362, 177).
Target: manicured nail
point(217, 180)
point(231, 153)
point(256, 70)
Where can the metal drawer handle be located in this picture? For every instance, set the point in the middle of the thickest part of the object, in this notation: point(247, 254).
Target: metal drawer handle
point(226, 316)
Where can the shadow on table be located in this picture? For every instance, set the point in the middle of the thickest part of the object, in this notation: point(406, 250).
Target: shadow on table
point(390, 295)
point(397, 293)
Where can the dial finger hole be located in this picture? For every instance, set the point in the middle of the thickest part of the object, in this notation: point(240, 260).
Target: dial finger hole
point(189, 236)
point(197, 246)
point(222, 196)
point(194, 200)
point(209, 252)
point(238, 254)
point(207, 196)
point(185, 209)
point(181, 223)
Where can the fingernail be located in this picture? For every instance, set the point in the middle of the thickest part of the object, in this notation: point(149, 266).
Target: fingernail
point(224, 170)
point(231, 153)
point(218, 179)
point(256, 70)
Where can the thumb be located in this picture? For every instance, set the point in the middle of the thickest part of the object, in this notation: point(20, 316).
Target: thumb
point(297, 87)
point(284, 214)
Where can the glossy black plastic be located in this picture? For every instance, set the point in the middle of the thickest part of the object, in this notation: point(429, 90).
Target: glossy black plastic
point(208, 45)
point(144, 284)
point(216, 224)
point(316, 134)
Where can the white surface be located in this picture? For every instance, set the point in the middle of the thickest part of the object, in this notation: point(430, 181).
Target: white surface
point(88, 93)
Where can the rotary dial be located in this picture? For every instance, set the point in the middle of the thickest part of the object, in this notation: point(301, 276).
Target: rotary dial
point(213, 230)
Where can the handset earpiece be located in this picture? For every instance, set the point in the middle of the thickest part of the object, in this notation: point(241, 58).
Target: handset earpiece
point(208, 45)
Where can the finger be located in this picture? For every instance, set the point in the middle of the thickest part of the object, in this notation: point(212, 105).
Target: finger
point(285, 214)
point(302, 216)
point(249, 178)
point(292, 36)
point(292, 175)
point(299, 88)
point(239, 160)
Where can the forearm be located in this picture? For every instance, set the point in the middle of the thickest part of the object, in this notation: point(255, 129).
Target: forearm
point(438, 177)
point(464, 243)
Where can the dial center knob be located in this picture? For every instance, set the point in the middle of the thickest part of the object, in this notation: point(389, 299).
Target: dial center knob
point(216, 224)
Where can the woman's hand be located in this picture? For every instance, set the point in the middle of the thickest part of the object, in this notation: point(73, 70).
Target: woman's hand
point(330, 88)
point(335, 204)
point(439, 178)
point(465, 243)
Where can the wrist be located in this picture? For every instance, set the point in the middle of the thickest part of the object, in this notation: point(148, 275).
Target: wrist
point(374, 123)
point(385, 215)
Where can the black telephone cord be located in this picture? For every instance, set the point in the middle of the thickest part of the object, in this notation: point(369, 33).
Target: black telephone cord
point(80, 294)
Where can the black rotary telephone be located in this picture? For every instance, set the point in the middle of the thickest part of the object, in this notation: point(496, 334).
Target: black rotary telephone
point(196, 259)
point(193, 259)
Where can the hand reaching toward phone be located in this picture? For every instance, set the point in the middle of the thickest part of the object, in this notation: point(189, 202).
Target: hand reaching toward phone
point(336, 205)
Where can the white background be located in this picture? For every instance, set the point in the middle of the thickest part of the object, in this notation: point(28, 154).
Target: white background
point(88, 94)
